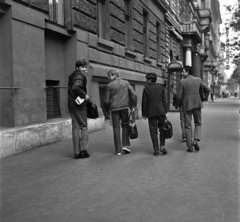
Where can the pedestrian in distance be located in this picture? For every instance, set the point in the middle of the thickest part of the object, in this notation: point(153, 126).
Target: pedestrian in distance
point(154, 107)
point(212, 93)
point(190, 100)
point(77, 89)
point(116, 101)
point(235, 94)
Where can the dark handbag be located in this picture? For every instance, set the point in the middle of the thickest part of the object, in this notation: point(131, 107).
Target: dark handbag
point(92, 111)
point(132, 127)
point(203, 94)
point(167, 129)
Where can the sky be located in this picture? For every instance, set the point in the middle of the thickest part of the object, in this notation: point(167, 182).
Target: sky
point(226, 15)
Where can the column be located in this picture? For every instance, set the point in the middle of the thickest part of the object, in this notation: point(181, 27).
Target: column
point(188, 61)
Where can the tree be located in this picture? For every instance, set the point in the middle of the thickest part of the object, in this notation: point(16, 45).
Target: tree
point(234, 43)
point(236, 75)
point(232, 85)
point(235, 11)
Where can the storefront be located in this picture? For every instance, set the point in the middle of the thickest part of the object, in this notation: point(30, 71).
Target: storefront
point(174, 74)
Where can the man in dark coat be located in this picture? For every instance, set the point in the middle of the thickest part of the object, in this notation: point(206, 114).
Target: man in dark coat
point(154, 107)
point(190, 100)
point(77, 88)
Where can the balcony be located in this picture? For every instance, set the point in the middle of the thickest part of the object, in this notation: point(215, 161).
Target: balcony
point(191, 29)
point(205, 19)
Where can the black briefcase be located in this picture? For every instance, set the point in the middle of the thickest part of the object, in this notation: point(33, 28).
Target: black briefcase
point(132, 127)
point(203, 94)
point(92, 111)
point(167, 129)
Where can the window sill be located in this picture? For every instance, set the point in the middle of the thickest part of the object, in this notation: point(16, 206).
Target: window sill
point(105, 44)
point(130, 53)
point(147, 60)
point(55, 27)
point(159, 64)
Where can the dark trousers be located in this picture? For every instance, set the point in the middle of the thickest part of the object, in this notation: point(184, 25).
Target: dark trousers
point(120, 117)
point(79, 130)
point(197, 116)
point(156, 123)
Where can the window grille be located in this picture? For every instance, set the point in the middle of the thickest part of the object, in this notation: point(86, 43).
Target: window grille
point(145, 32)
point(128, 23)
point(52, 99)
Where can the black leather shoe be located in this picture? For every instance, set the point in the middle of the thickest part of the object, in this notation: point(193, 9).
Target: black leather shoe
point(76, 156)
point(163, 150)
point(156, 153)
point(196, 146)
point(84, 154)
point(190, 149)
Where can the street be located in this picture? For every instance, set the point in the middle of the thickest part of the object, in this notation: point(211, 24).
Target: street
point(47, 185)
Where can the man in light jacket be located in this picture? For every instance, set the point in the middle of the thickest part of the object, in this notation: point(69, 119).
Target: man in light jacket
point(117, 101)
point(190, 100)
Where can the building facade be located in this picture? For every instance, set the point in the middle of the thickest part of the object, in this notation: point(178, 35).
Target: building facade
point(42, 39)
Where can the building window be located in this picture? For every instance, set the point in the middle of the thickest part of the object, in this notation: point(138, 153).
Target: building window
point(102, 93)
point(128, 23)
point(52, 99)
point(202, 4)
point(103, 19)
point(158, 42)
point(170, 4)
point(56, 11)
point(145, 33)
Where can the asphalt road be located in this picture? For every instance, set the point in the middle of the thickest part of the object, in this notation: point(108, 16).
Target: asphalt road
point(47, 184)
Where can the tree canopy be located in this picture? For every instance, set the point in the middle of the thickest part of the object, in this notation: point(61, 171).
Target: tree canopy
point(235, 11)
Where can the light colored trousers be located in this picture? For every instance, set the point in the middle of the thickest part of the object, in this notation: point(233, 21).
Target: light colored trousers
point(197, 117)
point(182, 125)
point(79, 130)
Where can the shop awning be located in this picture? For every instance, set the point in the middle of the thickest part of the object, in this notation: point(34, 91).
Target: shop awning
point(175, 66)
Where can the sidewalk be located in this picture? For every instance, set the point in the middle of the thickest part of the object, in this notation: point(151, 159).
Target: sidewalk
point(47, 184)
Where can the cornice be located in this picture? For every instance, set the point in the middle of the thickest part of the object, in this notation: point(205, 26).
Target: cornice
point(173, 22)
point(161, 4)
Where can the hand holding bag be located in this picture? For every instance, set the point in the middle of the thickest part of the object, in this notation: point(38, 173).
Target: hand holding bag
point(132, 127)
point(167, 129)
point(92, 111)
point(203, 94)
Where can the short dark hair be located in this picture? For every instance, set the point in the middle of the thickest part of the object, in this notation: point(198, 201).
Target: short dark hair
point(152, 76)
point(81, 62)
point(188, 69)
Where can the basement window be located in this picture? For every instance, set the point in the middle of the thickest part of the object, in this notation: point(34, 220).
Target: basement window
point(52, 99)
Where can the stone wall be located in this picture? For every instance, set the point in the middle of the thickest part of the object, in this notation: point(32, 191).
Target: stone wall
point(42, 5)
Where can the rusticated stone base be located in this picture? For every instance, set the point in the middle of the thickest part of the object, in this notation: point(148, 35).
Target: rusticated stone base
point(20, 139)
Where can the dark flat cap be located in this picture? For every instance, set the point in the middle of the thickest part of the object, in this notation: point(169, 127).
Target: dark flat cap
point(151, 75)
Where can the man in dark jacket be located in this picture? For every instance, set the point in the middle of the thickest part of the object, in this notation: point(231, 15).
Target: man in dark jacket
point(154, 107)
point(190, 100)
point(77, 87)
point(117, 101)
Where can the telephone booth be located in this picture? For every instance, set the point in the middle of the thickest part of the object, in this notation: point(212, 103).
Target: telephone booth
point(174, 76)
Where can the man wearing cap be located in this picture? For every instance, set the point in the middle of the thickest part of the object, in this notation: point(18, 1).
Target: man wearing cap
point(154, 107)
point(117, 96)
point(190, 100)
